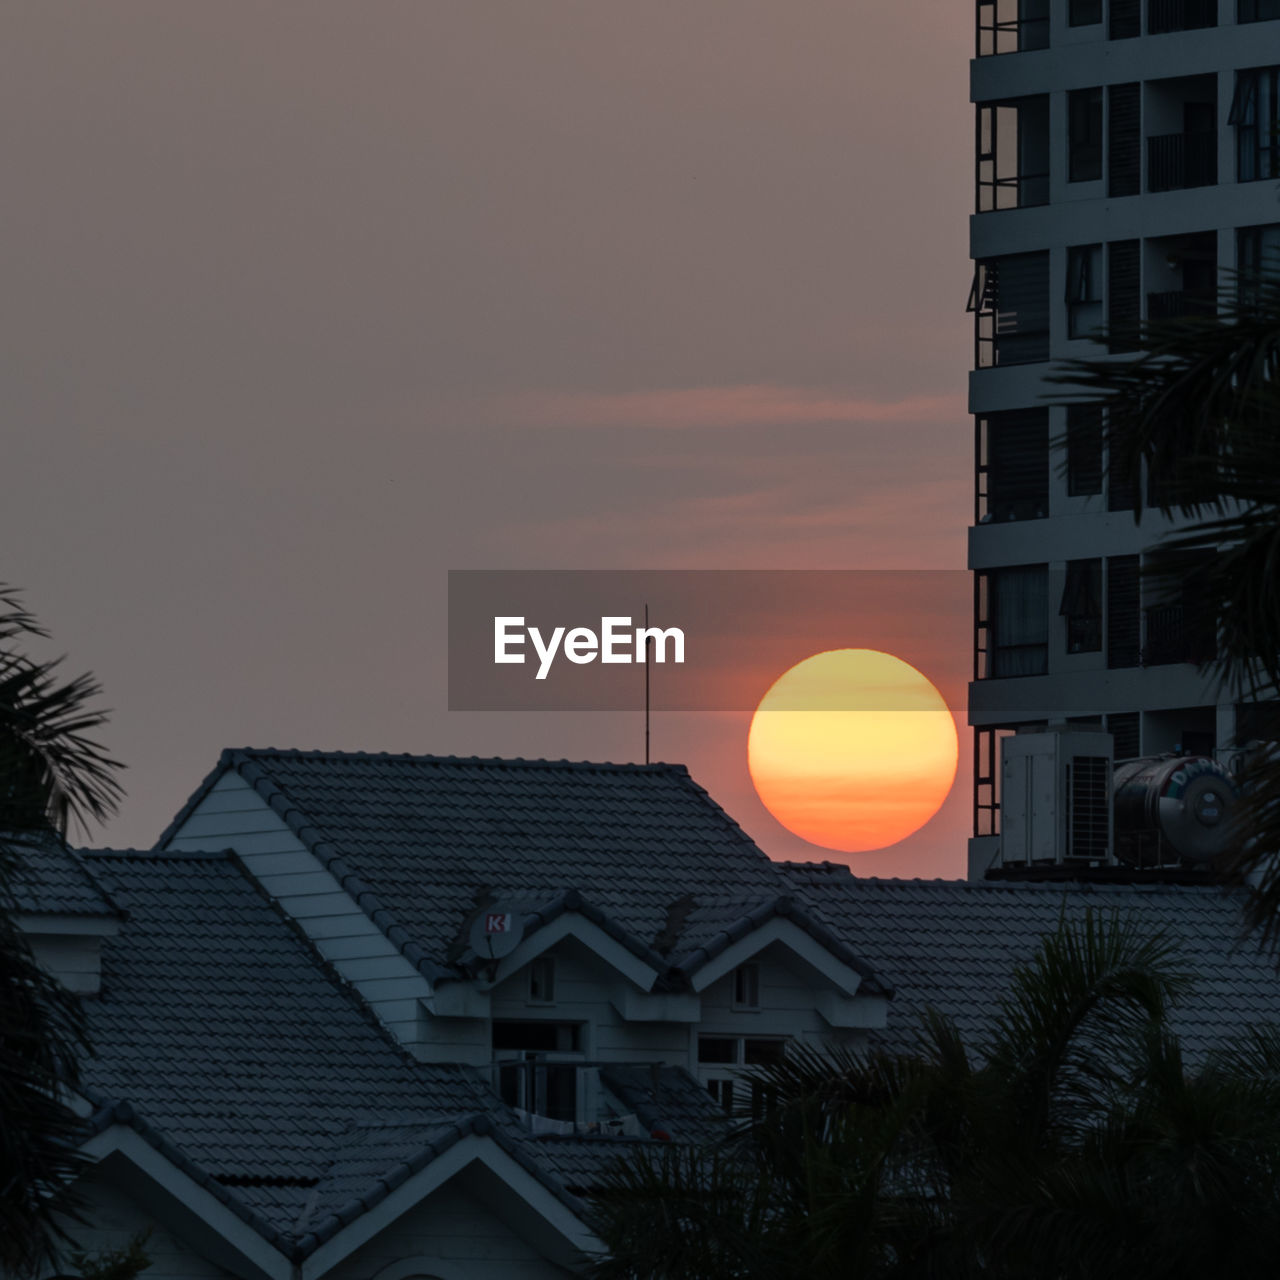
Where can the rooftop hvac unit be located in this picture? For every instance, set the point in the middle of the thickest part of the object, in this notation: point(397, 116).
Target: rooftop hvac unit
point(1172, 808)
point(1055, 798)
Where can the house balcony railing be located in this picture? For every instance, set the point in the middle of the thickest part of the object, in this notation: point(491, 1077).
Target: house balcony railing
point(563, 1097)
point(1177, 304)
point(1180, 15)
point(1180, 161)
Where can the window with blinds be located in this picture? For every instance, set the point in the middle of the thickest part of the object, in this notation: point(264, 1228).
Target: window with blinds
point(1124, 139)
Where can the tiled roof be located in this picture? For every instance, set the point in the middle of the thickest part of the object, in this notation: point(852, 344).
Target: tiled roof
point(952, 945)
point(52, 880)
point(222, 1037)
point(421, 842)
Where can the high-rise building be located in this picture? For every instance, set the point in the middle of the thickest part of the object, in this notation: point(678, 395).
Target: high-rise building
point(1127, 167)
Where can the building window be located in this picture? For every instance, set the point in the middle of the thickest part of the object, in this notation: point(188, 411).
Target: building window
point(1084, 13)
point(1253, 112)
point(1012, 26)
point(1082, 606)
point(1084, 450)
point(1180, 15)
point(1084, 290)
point(1123, 614)
point(1012, 465)
point(1126, 19)
point(1014, 617)
point(1124, 295)
point(542, 981)
point(1010, 303)
point(1257, 10)
point(1124, 139)
point(1257, 262)
point(746, 986)
point(1084, 135)
point(1123, 727)
point(1013, 154)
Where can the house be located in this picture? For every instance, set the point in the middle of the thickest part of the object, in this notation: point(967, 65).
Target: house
point(371, 1016)
point(311, 1060)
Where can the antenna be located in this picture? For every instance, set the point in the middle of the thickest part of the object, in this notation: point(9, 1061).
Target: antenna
point(648, 640)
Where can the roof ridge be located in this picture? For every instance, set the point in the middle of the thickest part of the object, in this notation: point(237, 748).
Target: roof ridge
point(155, 855)
point(410, 757)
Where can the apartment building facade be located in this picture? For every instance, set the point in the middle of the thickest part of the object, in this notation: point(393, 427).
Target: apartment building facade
point(1127, 167)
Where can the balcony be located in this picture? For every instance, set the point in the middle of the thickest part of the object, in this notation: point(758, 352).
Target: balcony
point(1177, 304)
point(1175, 634)
point(561, 1097)
point(1180, 161)
point(1180, 15)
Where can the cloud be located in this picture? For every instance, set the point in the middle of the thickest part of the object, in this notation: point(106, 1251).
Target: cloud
point(752, 404)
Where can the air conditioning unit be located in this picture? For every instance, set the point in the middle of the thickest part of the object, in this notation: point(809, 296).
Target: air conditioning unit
point(1055, 798)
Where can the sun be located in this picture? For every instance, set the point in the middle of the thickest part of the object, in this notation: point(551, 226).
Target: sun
point(852, 749)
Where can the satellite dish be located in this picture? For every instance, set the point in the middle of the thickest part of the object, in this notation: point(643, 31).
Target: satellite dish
point(495, 932)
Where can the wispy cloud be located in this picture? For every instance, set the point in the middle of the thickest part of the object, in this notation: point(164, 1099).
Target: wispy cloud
point(751, 404)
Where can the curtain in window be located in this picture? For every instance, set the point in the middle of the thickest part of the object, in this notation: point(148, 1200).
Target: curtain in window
point(1020, 622)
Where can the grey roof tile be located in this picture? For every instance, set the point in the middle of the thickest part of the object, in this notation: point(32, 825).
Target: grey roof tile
point(422, 842)
point(223, 1038)
point(953, 945)
point(52, 879)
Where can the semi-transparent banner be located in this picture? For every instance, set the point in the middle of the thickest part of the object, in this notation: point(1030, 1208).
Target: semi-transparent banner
point(715, 640)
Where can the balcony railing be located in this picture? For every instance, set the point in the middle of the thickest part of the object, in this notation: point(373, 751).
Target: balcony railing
point(1174, 635)
point(1175, 304)
point(1179, 161)
point(561, 1097)
point(1180, 15)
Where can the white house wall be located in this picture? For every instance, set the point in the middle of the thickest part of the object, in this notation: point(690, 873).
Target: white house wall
point(787, 1006)
point(583, 984)
point(233, 816)
point(452, 1235)
point(113, 1218)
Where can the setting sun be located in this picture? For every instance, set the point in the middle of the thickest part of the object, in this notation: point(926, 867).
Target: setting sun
point(852, 749)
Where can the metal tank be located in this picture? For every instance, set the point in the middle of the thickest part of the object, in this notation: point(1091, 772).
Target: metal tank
point(1173, 805)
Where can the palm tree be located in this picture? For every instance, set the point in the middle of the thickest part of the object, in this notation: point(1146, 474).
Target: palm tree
point(1200, 408)
point(51, 772)
point(1069, 1142)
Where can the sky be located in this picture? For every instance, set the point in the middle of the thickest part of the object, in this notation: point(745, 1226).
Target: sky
point(307, 304)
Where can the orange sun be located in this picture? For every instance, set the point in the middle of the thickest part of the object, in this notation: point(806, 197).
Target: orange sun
point(852, 749)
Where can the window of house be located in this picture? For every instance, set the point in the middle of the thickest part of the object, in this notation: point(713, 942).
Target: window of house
point(746, 986)
point(1084, 290)
point(1010, 303)
point(1082, 606)
point(1253, 113)
point(1084, 135)
point(1016, 622)
point(542, 980)
point(1084, 450)
point(536, 1067)
point(720, 1057)
point(1084, 13)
